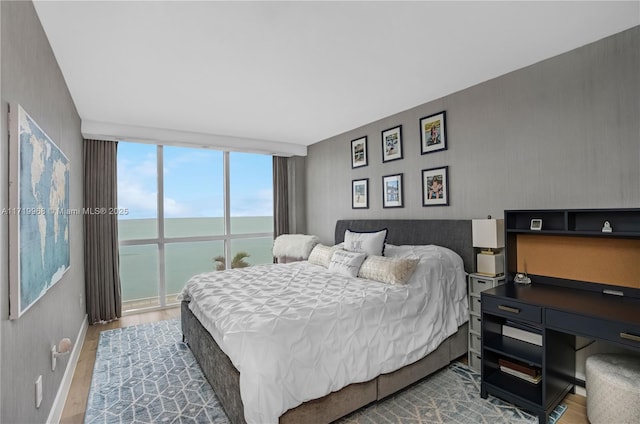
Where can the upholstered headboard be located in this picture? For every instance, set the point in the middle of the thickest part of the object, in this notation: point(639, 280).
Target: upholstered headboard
point(454, 234)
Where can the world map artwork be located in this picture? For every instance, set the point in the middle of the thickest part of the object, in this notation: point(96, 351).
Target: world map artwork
point(43, 225)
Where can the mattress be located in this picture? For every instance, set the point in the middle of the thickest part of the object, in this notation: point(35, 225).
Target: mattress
point(297, 332)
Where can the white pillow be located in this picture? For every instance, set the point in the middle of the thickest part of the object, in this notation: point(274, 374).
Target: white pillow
point(321, 254)
point(294, 245)
point(372, 243)
point(388, 270)
point(346, 263)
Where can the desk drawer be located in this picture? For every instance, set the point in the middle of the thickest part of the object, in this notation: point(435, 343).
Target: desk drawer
point(511, 309)
point(613, 331)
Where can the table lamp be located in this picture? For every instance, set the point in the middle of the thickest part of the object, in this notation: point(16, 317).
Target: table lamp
point(488, 235)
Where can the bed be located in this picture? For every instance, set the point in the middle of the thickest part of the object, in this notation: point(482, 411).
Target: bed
point(225, 378)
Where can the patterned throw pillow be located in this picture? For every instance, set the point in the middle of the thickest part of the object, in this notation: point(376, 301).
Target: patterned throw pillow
point(372, 243)
point(321, 254)
point(346, 263)
point(388, 270)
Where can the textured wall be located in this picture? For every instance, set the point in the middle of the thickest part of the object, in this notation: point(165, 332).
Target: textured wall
point(31, 77)
point(562, 133)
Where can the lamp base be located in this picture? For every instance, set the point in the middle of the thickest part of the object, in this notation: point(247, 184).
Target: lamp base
point(490, 265)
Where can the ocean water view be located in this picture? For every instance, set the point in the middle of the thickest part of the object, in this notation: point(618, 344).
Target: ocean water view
point(139, 264)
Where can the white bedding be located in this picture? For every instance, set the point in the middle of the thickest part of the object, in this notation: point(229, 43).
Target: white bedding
point(297, 332)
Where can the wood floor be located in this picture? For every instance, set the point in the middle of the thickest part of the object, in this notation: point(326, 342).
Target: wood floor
point(76, 403)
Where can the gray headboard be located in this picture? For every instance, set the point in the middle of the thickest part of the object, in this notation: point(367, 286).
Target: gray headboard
point(454, 234)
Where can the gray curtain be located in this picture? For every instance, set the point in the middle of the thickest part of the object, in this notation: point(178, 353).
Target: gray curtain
point(280, 196)
point(101, 257)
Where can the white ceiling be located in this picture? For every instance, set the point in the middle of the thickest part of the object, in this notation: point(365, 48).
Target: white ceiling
point(294, 73)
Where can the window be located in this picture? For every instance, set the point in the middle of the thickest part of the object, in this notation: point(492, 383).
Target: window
point(137, 191)
point(193, 192)
point(190, 211)
point(251, 182)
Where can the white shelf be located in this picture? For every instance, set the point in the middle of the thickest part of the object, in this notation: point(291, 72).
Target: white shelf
point(477, 283)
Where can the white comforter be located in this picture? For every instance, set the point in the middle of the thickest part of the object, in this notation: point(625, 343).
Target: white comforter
point(297, 332)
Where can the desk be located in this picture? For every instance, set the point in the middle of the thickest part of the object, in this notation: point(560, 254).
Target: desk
point(558, 314)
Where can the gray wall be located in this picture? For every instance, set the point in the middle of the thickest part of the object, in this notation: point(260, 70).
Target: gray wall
point(562, 133)
point(31, 77)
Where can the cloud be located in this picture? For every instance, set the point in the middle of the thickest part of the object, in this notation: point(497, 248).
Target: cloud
point(174, 209)
point(259, 203)
point(137, 189)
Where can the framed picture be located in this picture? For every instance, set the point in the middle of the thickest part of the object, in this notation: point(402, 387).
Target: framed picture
point(536, 224)
point(392, 191)
point(392, 144)
point(433, 133)
point(435, 186)
point(359, 152)
point(360, 194)
point(39, 175)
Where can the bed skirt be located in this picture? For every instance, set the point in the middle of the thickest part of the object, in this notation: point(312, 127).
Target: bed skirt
point(225, 379)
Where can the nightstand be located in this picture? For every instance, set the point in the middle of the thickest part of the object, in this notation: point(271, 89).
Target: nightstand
point(477, 284)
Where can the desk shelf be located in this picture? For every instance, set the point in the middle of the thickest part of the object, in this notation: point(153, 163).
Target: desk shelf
point(562, 251)
point(588, 222)
point(555, 358)
point(630, 234)
point(514, 349)
point(521, 392)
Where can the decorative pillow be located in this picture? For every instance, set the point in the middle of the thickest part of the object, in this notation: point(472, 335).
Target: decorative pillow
point(321, 254)
point(294, 245)
point(372, 243)
point(388, 270)
point(346, 263)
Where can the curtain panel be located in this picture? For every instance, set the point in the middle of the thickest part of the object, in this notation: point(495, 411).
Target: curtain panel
point(101, 256)
point(280, 196)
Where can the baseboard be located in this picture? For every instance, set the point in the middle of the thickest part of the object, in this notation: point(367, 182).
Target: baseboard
point(61, 397)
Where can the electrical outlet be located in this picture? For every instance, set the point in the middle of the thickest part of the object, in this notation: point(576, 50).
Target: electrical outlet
point(38, 391)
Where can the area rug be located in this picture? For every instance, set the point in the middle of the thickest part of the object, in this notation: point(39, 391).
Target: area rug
point(146, 374)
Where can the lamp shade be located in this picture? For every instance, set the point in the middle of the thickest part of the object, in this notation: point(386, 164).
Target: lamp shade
point(488, 233)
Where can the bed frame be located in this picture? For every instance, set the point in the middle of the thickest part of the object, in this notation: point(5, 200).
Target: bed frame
point(225, 379)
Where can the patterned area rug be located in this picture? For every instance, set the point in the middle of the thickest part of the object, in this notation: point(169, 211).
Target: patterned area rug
point(145, 374)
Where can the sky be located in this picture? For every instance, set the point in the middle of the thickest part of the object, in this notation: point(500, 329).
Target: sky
point(193, 182)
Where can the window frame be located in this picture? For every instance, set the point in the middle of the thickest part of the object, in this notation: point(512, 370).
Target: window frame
point(160, 241)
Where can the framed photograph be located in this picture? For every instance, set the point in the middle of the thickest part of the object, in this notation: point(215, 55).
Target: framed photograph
point(433, 133)
point(435, 186)
point(359, 152)
point(536, 224)
point(392, 144)
point(392, 191)
point(360, 194)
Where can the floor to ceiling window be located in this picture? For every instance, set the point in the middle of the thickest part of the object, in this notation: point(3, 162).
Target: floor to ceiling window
point(190, 211)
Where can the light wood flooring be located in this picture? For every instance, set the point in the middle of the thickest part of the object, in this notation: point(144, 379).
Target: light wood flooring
point(76, 403)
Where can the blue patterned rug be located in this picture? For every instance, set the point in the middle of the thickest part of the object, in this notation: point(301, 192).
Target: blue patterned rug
point(145, 374)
